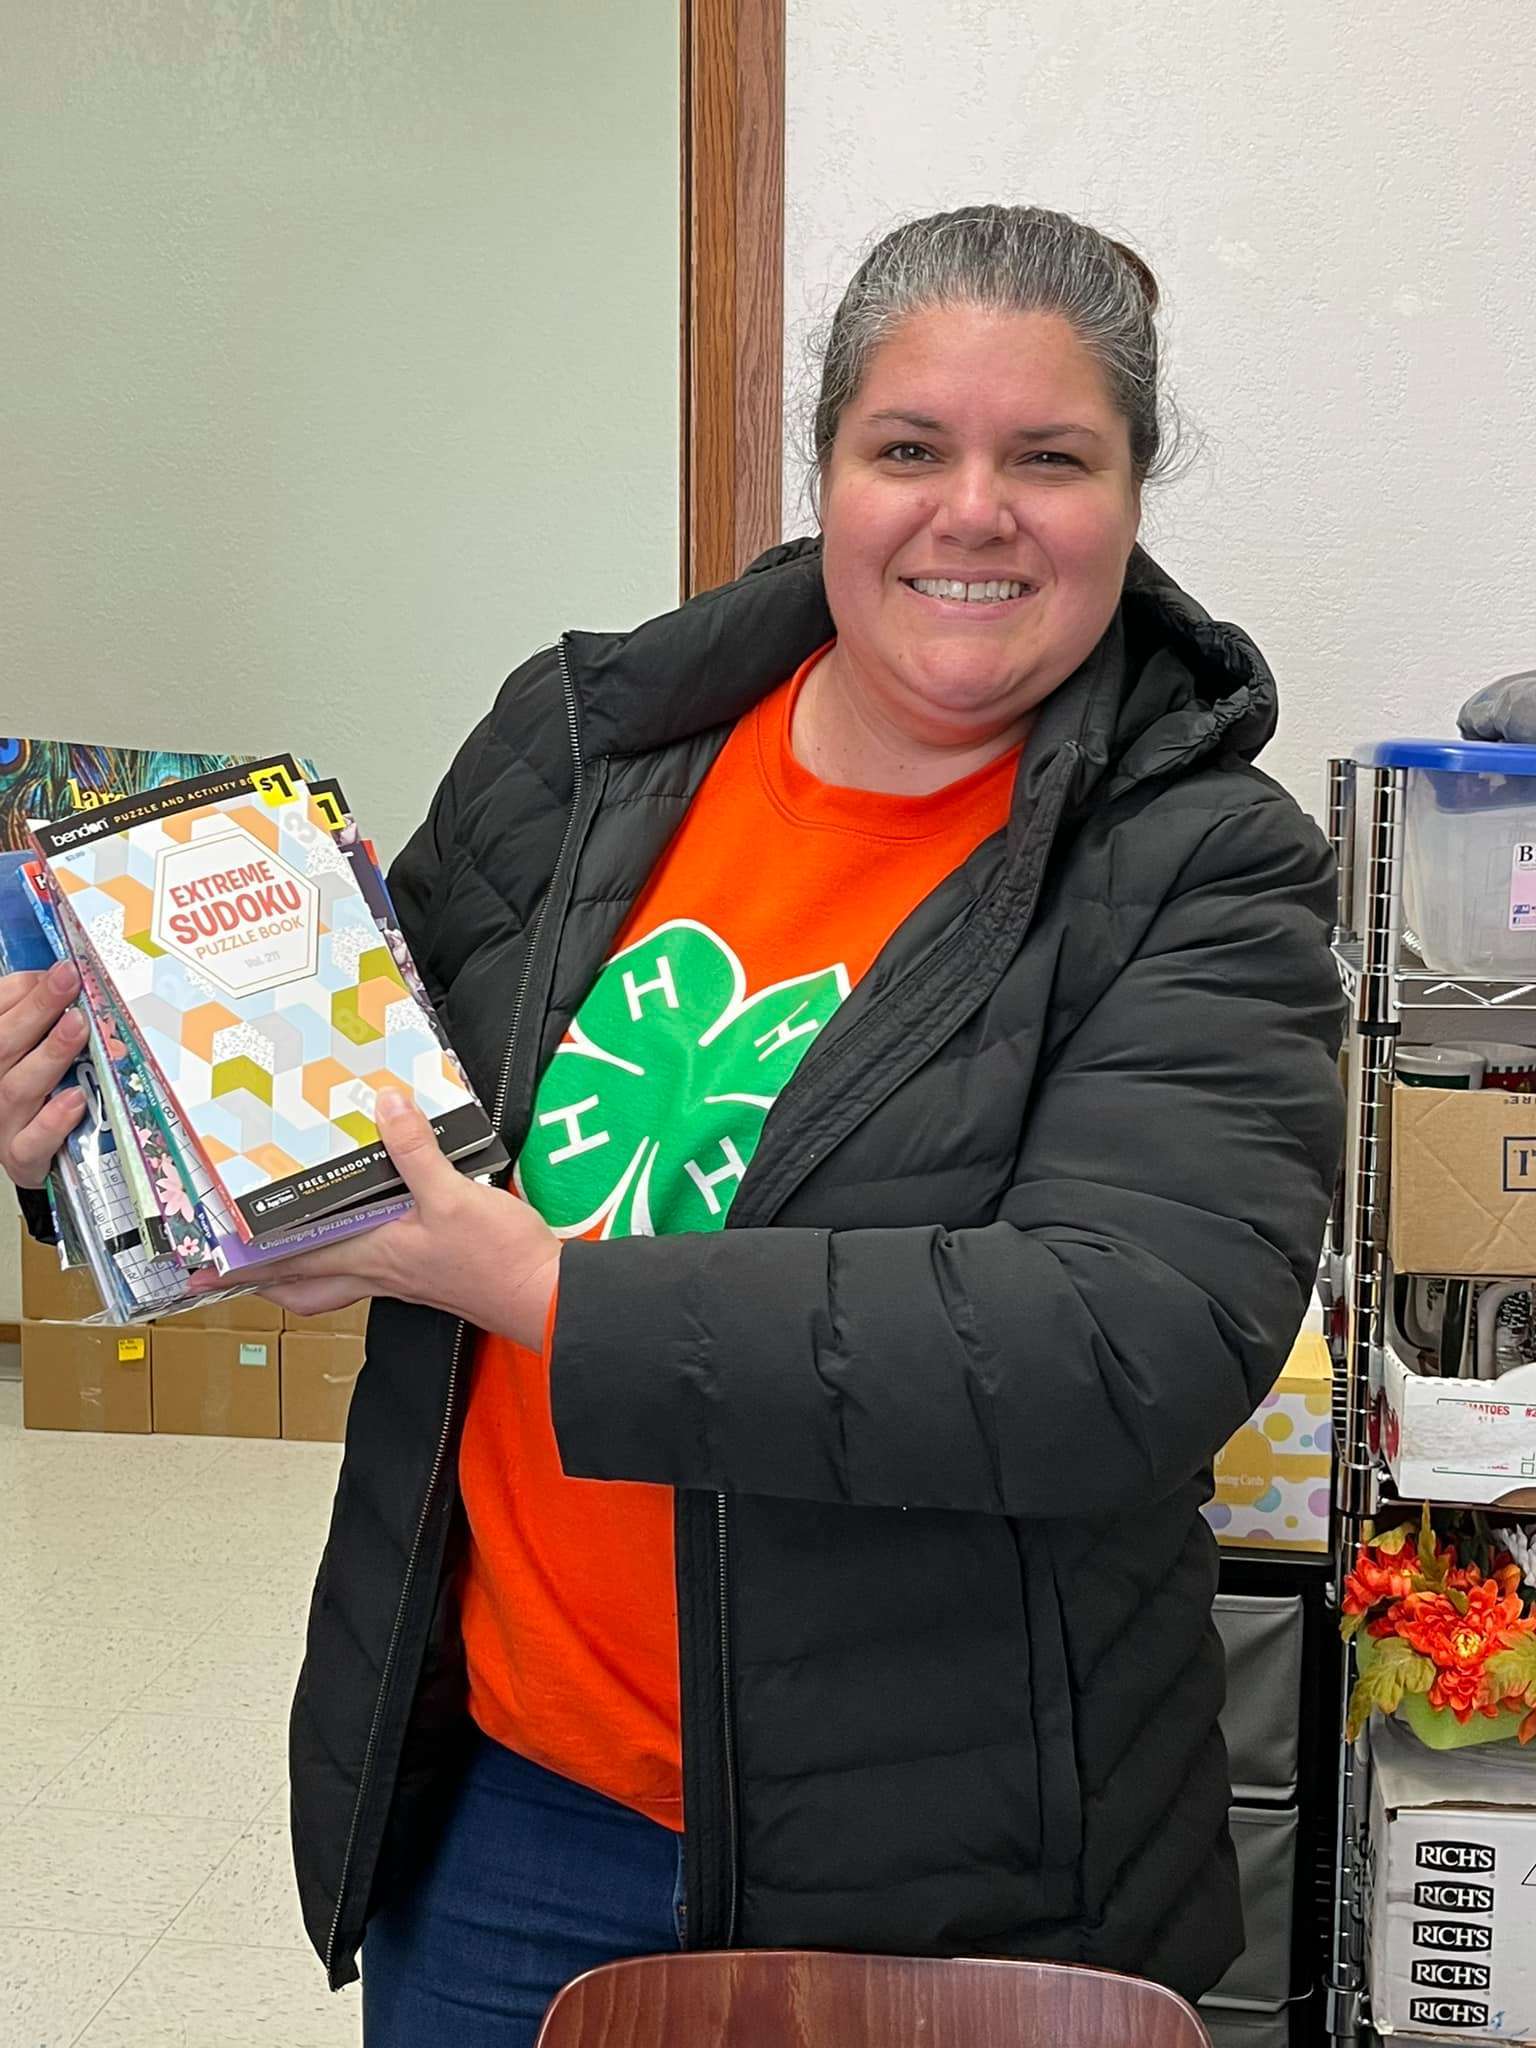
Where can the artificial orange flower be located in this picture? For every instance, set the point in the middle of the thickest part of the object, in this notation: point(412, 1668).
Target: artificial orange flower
point(1459, 1645)
point(1375, 1579)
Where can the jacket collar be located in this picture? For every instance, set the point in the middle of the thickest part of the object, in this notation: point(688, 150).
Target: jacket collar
point(1166, 686)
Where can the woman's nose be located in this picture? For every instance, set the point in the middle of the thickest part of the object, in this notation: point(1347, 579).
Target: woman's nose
point(975, 508)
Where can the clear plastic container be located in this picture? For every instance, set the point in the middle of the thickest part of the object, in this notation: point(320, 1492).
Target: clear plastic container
point(1469, 860)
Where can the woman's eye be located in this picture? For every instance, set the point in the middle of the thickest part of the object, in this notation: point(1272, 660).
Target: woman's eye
point(1052, 458)
point(905, 451)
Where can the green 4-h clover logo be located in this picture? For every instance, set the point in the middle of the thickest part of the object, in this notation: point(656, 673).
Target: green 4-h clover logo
point(653, 1105)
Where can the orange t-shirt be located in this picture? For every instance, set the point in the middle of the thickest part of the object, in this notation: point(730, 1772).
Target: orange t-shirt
point(775, 895)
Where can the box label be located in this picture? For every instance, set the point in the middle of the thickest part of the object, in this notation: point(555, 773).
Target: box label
point(1522, 888)
point(1447, 2012)
point(1438, 1976)
point(1519, 1166)
point(130, 1350)
point(1444, 1895)
point(253, 1354)
point(1455, 1856)
point(1453, 1934)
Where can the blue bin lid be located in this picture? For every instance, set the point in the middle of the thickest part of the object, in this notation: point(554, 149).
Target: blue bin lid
point(1450, 757)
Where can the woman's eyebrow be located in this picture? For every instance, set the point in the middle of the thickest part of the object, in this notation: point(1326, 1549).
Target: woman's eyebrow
point(925, 423)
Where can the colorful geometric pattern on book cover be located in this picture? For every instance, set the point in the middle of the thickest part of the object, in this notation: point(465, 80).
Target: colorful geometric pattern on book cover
point(277, 1080)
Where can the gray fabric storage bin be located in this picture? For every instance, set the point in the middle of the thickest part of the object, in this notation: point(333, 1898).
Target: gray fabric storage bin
point(1229, 2029)
point(1265, 1838)
point(1262, 1638)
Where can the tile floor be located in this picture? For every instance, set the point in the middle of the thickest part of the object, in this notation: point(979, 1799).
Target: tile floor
point(152, 1601)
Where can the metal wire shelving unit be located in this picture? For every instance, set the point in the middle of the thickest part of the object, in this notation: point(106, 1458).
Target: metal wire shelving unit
point(1388, 988)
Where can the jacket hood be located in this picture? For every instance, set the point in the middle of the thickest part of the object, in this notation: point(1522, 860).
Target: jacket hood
point(1166, 686)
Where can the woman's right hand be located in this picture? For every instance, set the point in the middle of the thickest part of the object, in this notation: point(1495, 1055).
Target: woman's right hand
point(40, 1036)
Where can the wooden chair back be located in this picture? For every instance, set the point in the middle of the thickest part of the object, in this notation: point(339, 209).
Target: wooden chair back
point(790, 1998)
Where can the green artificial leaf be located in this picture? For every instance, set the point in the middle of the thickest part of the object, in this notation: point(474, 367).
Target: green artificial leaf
point(1391, 1542)
point(1391, 1669)
point(1512, 1672)
point(653, 1105)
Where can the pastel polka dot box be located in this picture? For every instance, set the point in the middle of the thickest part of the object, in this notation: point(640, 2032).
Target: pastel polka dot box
point(1273, 1478)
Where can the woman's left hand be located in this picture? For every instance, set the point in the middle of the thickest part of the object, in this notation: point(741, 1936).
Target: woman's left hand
point(474, 1251)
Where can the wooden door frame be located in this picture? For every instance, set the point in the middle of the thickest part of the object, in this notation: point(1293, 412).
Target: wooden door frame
point(732, 354)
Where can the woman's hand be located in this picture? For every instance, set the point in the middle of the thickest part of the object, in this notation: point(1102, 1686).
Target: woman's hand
point(40, 1038)
point(473, 1251)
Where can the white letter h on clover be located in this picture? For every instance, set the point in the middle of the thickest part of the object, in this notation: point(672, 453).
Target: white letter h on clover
point(577, 1140)
point(706, 1183)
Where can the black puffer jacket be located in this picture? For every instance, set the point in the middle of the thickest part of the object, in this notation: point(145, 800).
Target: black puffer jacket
point(1025, 1239)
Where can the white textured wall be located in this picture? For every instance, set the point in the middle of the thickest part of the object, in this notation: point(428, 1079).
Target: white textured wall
point(338, 367)
point(1340, 203)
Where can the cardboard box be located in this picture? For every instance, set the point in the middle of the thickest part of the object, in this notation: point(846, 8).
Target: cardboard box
point(216, 1382)
point(319, 1370)
point(1463, 1181)
point(353, 1320)
point(51, 1293)
point(1472, 1441)
point(241, 1312)
point(76, 1376)
point(1274, 1479)
point(1451, 1910)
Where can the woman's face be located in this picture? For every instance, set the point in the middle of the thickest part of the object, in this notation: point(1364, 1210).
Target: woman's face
point(982, 450)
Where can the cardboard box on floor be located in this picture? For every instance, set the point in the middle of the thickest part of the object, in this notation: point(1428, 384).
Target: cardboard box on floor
point(1463, 1179)
point(353, 1320)
point(94, 1376)
point(1452, 1906)
point(51, 1293)
point(216, 1382)
point(241, 1312)
point(320, 1368)
point(1274, 1479)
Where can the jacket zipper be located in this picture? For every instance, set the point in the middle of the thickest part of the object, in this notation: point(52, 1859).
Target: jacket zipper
point(497, 1111)
point(727, 1731)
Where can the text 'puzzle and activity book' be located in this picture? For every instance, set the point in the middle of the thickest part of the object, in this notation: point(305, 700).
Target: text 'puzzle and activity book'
point(248, 991)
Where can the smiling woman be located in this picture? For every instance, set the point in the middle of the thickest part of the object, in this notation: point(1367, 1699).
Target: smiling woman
point(914, 1019)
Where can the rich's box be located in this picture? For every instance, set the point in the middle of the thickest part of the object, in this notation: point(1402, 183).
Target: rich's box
point(353, 1320)
point(75, 1377)
point(216, 1382)
point(1472, 1441)
point(1463, 1181)
point(319, 1370)
point(51, 1293)
point(1273, 1480)
point(1452, 1898)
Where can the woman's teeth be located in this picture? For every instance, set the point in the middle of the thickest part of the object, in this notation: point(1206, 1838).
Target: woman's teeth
point(968, 593)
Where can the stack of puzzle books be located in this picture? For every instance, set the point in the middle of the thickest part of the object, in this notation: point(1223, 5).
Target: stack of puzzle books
point(247, 991)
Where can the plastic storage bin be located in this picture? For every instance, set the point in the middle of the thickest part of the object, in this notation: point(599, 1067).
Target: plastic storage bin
point(1469, 852)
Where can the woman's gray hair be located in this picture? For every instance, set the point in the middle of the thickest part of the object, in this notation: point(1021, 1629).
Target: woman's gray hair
point(1015, 259)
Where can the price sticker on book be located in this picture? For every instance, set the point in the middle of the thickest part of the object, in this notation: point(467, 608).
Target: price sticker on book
point(274, 786)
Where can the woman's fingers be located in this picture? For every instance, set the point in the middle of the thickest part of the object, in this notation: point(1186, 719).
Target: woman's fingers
point(33, 1148)
point(30, 1006)
point(39, 1041)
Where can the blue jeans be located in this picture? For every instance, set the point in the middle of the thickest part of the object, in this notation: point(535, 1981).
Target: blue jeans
point(532, 1881)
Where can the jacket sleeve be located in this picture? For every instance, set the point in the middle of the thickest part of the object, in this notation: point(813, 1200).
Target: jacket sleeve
point(1092, 1348)
point(417, 872)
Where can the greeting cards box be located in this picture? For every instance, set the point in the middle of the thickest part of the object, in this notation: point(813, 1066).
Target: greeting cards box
point(1274, 1479)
